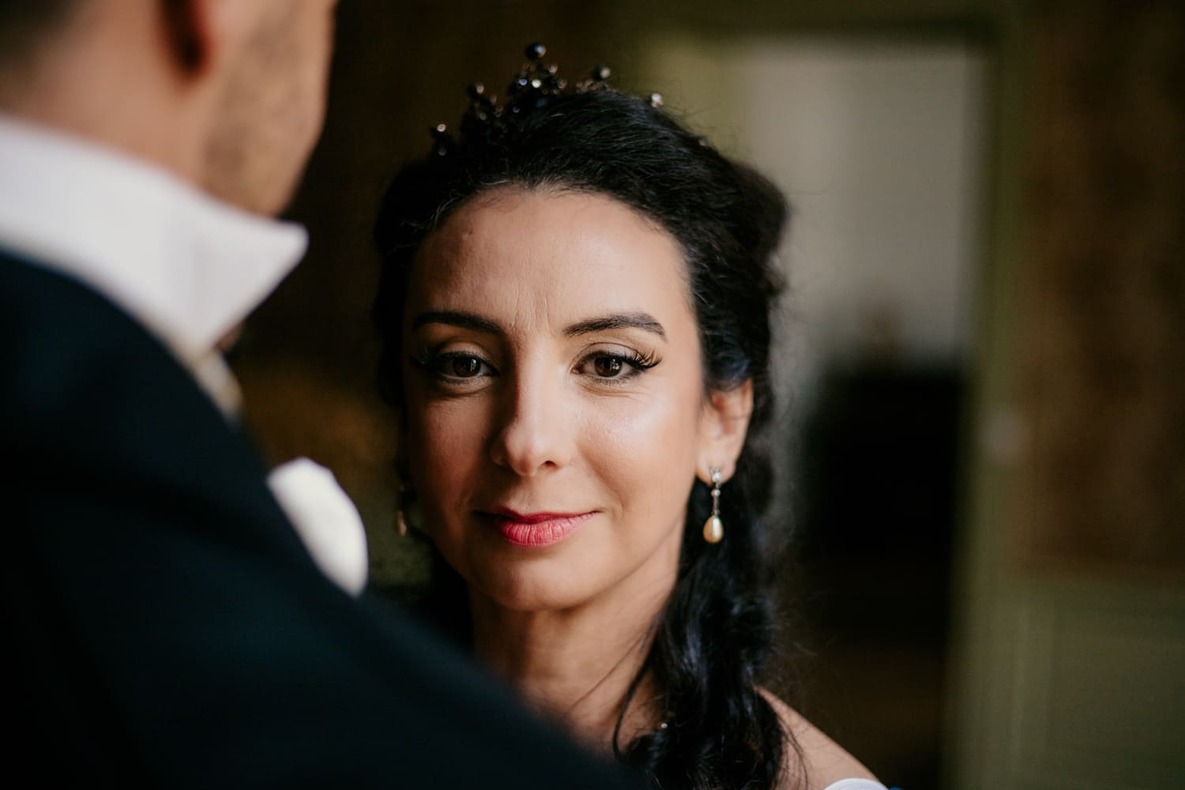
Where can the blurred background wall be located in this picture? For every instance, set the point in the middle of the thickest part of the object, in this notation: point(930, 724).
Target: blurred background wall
point(983, 371)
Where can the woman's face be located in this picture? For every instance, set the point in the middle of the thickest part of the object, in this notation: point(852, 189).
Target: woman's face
point(556, 415)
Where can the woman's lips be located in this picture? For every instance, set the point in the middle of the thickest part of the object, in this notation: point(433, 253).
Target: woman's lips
point(536, 530)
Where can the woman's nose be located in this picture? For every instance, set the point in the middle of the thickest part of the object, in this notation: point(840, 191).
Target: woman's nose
point(534, 431)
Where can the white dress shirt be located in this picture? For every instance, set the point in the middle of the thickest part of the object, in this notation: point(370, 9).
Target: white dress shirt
point(188, 267)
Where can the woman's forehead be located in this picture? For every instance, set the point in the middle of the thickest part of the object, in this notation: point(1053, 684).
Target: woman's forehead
point(570, 253)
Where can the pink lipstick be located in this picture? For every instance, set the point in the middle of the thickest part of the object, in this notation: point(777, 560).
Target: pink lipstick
point(536, 530)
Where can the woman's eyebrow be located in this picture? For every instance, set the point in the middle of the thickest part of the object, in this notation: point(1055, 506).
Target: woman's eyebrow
point(456, 318)
point(643, 321)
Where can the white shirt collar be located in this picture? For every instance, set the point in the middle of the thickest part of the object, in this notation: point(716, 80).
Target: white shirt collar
point(189, 267)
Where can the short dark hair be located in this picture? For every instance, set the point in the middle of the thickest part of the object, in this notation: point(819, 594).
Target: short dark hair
point(25, 23)
point(717, 628)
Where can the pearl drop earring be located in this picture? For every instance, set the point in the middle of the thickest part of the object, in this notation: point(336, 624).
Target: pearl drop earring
point(714, 527)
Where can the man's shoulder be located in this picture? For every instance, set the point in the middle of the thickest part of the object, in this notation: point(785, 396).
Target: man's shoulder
point(34, 291)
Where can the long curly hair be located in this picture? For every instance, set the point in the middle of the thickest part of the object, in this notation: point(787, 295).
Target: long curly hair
point(716, 631)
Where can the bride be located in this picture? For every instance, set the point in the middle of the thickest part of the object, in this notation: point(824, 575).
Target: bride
point(575, 309)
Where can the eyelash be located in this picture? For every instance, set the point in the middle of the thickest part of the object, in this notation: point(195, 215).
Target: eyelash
point(434, 364)
point(637, 364)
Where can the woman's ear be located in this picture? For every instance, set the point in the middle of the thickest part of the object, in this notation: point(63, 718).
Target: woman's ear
point(724, 423)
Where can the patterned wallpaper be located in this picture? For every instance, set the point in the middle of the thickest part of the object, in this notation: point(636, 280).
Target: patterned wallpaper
point(1103, 308)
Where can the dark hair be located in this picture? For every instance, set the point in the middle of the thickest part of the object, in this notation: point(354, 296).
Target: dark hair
point(716, 630)
point(24, 23)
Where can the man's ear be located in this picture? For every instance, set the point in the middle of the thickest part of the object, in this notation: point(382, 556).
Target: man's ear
point(203, 35)
point(724, 424)
point(188, 33)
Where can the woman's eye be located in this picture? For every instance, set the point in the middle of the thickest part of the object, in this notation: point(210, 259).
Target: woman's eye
point(608, 367)
point(461, 367)
point(603, 366)
point(453, 366)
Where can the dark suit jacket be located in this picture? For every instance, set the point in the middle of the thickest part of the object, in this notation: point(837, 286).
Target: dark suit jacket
point(167, 627)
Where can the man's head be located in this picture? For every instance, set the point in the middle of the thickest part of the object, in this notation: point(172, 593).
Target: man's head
point(228, 94)
point(272, 107)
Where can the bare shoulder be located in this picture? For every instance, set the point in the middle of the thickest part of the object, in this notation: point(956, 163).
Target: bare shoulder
point(820, 759)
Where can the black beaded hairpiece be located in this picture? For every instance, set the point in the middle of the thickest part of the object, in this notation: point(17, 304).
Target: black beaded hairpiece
point(532, 88)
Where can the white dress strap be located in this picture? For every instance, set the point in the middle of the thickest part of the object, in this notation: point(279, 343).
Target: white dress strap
point(856, 784)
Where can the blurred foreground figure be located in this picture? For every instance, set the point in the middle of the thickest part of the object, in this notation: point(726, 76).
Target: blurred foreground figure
point(167, 625)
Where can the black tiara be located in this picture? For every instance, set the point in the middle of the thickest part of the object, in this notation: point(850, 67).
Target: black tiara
point(533, 87)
